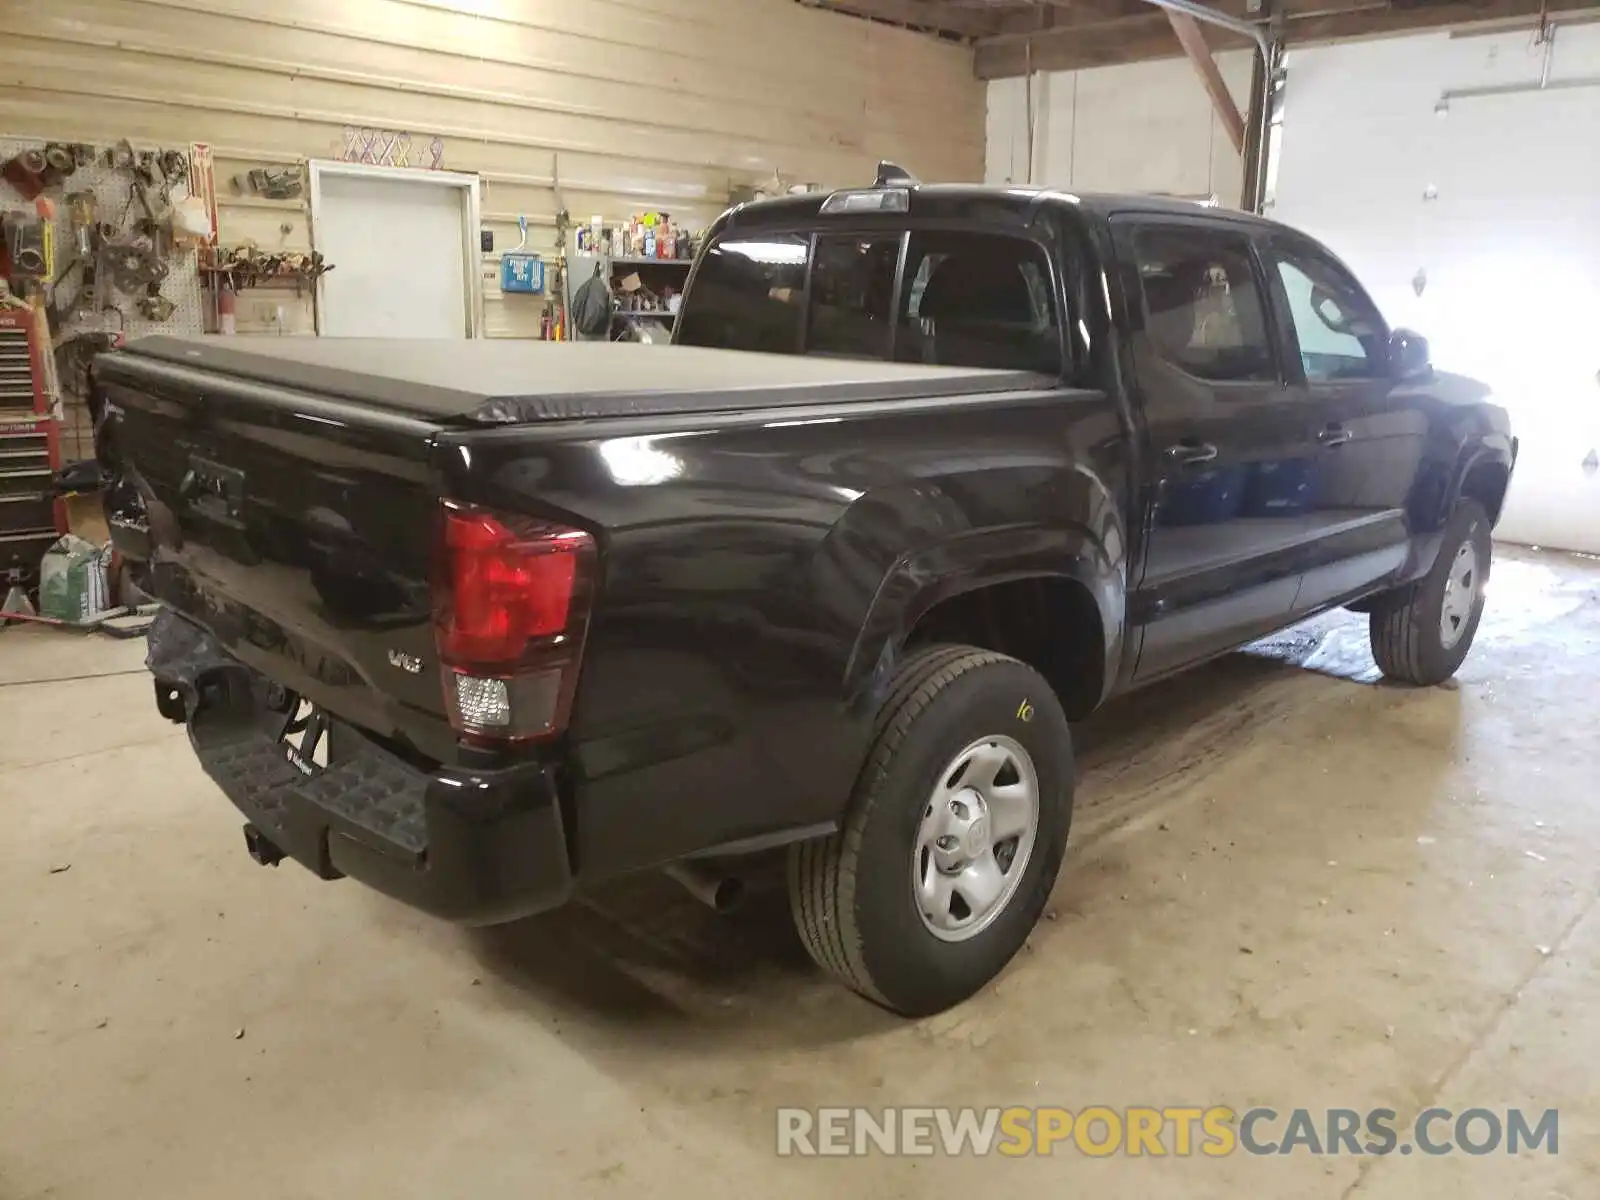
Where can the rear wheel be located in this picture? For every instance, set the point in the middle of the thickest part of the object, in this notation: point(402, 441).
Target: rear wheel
point(1421, 633)
point(953, 838)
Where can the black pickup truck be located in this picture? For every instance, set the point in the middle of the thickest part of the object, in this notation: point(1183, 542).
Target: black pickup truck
point(930, 472)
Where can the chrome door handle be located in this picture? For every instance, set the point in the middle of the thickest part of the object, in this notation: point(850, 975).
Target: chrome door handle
point(1189, 452)
point(1334, 435)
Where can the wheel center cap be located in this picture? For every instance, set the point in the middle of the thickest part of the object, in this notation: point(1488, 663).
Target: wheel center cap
point(976, 839)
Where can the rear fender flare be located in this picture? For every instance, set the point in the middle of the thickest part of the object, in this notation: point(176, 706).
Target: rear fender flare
point(976, 559)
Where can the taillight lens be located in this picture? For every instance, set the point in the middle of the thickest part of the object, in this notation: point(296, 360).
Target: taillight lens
point(511, 605)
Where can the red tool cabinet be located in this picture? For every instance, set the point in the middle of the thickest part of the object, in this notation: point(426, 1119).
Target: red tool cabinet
point(31, 516)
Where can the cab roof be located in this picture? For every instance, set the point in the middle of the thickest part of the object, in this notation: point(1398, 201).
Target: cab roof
point(976, 201)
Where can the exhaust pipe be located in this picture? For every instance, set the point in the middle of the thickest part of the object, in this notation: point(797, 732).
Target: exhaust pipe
point(262, 849)
point(717, 890)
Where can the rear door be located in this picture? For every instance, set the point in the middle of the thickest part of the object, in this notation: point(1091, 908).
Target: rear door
point(1369, 428)
point(1227, 441)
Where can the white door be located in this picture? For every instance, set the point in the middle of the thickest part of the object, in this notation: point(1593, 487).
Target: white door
point(398, 242)
point(1511, 246)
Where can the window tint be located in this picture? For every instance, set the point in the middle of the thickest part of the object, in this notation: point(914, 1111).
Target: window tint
point(852, 289)
point(1202, 303)
point(978, 300)
point(1340, 333)
point(748, 294)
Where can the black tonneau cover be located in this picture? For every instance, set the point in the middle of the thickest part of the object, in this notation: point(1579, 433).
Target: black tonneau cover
point(506, 382)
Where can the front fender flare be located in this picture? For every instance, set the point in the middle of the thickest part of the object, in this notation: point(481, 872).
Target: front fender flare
point(1498, 449)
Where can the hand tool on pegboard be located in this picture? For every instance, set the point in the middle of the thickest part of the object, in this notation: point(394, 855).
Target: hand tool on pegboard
point(34, 169)
point(29, 249)
point(83, 293)
point(82, 215)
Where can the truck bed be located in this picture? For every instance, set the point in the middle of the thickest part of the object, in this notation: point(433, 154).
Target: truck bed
point(494, 382)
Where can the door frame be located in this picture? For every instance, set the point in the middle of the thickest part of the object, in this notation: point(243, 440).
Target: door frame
point(471, 222)
point(1229, 582)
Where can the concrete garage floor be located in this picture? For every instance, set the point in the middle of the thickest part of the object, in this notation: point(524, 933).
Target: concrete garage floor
point(1286, 886)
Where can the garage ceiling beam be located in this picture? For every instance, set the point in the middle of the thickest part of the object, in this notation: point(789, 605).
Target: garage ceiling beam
point(936, 15)
point(1405, 16)
point(1033, 19)
point(1194, 45)
point(1093, 42)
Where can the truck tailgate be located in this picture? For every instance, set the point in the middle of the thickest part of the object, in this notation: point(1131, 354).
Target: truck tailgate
point(298, 530)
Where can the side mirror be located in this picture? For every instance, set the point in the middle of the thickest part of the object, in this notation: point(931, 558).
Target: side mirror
point(1408, 354)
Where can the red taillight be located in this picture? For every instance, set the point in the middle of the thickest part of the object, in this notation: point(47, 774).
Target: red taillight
point(510, 609)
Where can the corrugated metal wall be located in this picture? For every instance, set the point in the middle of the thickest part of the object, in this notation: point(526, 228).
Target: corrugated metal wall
point(628, 104)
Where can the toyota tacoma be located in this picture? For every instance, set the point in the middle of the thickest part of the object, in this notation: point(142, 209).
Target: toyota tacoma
point(928, 473)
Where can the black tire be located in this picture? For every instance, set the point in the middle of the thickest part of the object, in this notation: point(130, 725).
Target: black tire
point(852, 895)
point(1407, 640)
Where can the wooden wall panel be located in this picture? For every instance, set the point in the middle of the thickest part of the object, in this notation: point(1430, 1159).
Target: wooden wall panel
point(625, 104)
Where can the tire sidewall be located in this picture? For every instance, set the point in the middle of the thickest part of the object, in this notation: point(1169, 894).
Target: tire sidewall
point(915, 969)
point(1468, 522)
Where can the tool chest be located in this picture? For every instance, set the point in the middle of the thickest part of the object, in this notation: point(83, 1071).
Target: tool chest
point(31, 516)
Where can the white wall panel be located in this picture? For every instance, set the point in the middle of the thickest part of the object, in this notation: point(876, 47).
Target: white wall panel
point(1142, 127)
point(1496, 202)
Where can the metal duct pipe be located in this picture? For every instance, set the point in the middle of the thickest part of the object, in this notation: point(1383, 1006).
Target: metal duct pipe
point(1027, 98)
point(1254, 30)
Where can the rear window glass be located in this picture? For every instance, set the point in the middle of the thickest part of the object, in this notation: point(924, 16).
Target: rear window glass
point(978, 300)
point(967, 299)
point(748, 294)
point(852, 295)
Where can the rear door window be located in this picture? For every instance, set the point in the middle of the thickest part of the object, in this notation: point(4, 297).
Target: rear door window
point(1203, 308)
point(979, 300)
point(749, 294)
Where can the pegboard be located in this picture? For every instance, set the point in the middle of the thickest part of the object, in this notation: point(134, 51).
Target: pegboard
point(119, 207)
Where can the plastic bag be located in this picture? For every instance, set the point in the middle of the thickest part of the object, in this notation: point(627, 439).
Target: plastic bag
point(73, 581)
point(591, 307)
point(191, 222)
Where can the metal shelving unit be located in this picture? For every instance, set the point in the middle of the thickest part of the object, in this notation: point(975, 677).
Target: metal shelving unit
point(621, 260)
point(581, 266)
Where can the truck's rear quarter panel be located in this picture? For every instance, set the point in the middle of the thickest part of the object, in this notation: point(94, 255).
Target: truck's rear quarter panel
point(744, 566)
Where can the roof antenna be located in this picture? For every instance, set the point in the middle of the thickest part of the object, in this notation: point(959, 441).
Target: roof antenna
point(894, 175)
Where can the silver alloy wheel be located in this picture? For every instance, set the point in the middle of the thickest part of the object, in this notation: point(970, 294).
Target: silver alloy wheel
point(1461, 590)
point(975, 837)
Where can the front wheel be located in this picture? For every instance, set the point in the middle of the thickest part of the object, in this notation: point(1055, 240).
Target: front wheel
point(953, 837)
point(1421, 634)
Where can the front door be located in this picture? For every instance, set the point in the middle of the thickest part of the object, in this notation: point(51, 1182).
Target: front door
point(1226, 449)
point(1369, 428)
